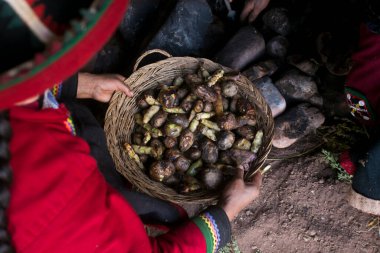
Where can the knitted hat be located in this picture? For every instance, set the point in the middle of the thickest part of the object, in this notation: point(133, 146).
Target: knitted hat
point(42, 42)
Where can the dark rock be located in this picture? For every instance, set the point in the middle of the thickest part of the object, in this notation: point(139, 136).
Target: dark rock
point(246, 46)
point(185, 29)
point(272, 96)
point(261, 69)
point(306, 65)
point(335, 104)
point(214, 39)
point(110, 58)
point(295, 124)
point(296, 86)
point(278, 46)
point(316, 100)
point(138, 19)
point(277, 20)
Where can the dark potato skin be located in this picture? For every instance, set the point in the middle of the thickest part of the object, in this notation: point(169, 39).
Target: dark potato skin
point(161, 170)
point(186, 140)
point(209, 152)
point(205, 93)
point(182, 164)
point(226, 140)
point(170, 142)
point(159, 119)
point(194, 153)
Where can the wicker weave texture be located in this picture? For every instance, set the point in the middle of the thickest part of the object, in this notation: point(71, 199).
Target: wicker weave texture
point(119, 123)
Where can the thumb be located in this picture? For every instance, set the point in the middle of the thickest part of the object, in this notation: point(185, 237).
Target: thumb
point(256, 180)
point(239, 172)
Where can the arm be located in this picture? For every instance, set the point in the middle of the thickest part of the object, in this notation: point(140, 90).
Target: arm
point(101, 87)
point(213, 223)
point(90, 86)
point(252, 9)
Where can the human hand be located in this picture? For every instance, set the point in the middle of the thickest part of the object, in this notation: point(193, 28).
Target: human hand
point(252, 8)
point(101, 87)
point(238, 194)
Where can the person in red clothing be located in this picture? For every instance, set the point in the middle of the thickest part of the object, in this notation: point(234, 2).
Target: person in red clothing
point(363, 97)
point(53, 197)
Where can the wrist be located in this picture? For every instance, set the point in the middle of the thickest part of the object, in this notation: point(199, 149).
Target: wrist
point(230, 211)
point(84, 89)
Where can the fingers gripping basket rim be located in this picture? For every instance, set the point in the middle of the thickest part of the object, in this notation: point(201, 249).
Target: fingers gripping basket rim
point(119, 124)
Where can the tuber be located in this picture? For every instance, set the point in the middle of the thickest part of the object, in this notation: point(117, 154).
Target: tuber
point(172, 130)
point(186, 140)
point(159, 119)
point(182, 164)
point(132, 154)
point(150, 113)
point(212, 178)
point(161, 170)
point(226, 140)
point(205, 93)
point(170, 142)
point(209, 152)
point(229, 89)
point(172, 154)
point(193, 153)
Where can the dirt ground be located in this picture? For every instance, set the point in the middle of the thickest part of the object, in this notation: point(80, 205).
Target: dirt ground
point(302, 208)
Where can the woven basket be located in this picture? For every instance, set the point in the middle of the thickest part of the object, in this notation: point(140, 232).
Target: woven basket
point(119, 122)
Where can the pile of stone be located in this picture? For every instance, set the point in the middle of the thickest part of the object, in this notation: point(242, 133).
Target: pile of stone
point(287, 82)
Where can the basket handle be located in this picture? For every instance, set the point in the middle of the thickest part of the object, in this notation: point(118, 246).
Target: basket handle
point(159, 51)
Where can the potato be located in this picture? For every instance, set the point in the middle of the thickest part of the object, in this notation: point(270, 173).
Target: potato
point(209, 152)
point(161, 170)
point(242, 144)
point(173, 130)
point(192, 80)
point(182, 164)
point(186, 140)
point(246, 132)
point(194, 153)
point(159, 119)
point(242, 158)
point(172, 154)
point(208, 107)
point(157, 148)
point(173, 181)
point(198, 107)
point(179, 119)
point(226, 104)
point(190, 184)
point(181, 93)
point(225, 158)
point(226, 140)
point(243, 106)
point(168, 98)
point(205, 93)
point(188, 101)
point(137, 139)
point(212, 178)
point(228, 122)
point(170, 142)
point(229, 89)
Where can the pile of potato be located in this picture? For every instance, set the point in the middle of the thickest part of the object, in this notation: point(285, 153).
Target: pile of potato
point(192, 134)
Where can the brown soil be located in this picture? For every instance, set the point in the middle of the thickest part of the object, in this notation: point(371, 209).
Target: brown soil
point(302, 208)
